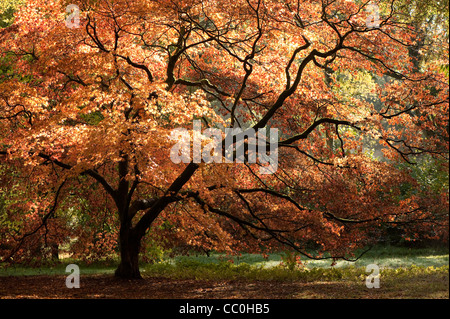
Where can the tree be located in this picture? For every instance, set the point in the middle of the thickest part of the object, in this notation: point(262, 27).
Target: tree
point(7, 8)
point(97, 104)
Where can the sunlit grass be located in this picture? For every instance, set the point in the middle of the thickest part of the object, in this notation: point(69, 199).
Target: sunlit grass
point(384, 257)
point(252, 266)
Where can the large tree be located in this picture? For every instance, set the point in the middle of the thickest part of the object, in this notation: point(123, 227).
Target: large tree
point(96, 102)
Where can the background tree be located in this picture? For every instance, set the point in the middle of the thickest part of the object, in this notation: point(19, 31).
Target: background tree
point(96, 104)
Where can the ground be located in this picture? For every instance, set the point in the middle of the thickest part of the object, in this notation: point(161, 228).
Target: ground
point(106, 286)
point(405, 273)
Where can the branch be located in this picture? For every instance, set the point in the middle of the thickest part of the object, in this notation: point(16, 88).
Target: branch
point(44, 223)
point(308, 131)
point(200, 83)
point(139, 66)
point(89, 172)
point(393, 72)
point(170, 195)
point(275, 234)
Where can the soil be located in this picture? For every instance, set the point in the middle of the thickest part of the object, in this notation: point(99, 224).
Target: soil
point(109, 287)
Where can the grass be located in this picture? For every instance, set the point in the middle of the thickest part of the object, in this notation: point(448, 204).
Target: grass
point(393, 262)
point(383, 256)
point(59, 268)
point(244, 271)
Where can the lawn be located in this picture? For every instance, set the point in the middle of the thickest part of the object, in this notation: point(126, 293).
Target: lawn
point(404, 273)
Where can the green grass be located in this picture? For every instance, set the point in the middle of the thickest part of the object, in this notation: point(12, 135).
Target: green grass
point(58, 268)
point(383, 256)
point(244, 271)
point(394, 262)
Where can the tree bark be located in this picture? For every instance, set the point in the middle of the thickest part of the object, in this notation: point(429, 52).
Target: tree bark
point(129, 245)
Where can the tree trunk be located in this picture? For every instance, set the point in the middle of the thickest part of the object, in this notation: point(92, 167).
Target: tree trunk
point(130, 237)
point(55, 251)
point(129, 245)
